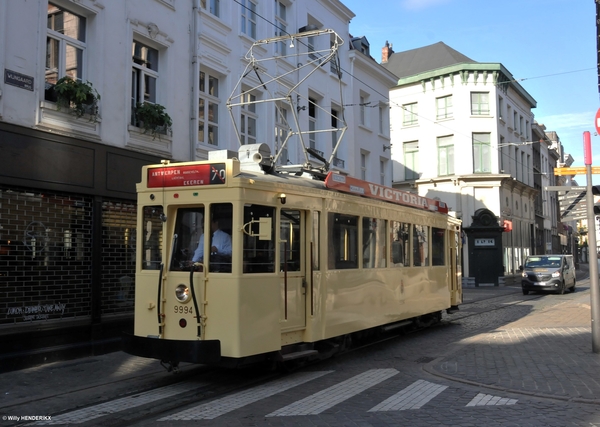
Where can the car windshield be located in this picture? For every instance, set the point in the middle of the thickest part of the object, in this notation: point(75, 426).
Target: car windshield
point(543, 261)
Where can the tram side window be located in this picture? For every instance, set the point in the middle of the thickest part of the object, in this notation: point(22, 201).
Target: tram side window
point(400, 254)
point(189, 227)
point(152, 237)
point(420, 245)
point(289, 246)
point(438, 246)
point(343, 241)
point(259, 255)
point(373, 232)
point(316, 245)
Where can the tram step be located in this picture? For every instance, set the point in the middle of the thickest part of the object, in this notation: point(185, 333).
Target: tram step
point(298, 355)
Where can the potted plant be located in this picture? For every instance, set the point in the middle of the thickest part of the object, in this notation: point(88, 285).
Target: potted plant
point(79, 97)
point(153, 118)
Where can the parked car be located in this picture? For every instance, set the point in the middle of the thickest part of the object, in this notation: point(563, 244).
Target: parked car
point(553, 273)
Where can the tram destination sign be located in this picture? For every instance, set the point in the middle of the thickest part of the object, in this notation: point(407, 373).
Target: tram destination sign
point(186, 175)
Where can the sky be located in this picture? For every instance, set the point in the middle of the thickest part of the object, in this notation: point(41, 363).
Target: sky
point(549, 46)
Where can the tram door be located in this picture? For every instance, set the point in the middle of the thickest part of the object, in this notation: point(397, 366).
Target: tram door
point(292, 269)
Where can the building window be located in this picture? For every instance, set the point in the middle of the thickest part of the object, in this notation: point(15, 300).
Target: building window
point(248, 119)
point(310, 42)
point(312, 123)
point(410, 116)
point(363, 165)
point(411, 160)
point(335, 124)
point(381, 119)
point(382, 164)
point(363, 103)
point(281, 133)
point(212, 6)
point(65, 46)
point(482, 153)
point(144, 75)
point(208, 109)
point(445, 146)
point(444, 107)
point(280, 27)
point(249, 18)
point(480, 104)
point(500, 108)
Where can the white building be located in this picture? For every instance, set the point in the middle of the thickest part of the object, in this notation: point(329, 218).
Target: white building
point(67, 183)
point(462, 131)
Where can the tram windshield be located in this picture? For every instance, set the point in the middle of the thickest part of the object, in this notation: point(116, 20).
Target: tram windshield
point(189, 245)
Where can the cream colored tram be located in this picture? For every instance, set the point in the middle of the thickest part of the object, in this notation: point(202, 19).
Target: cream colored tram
point(312, 263)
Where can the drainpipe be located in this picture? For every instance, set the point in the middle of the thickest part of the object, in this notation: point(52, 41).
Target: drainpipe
point(195, 77)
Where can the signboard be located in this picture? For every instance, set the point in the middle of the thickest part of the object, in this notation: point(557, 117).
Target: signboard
point(490, 242)
point(17, 79)
point(359, 187)
point(597, 121)
point(186, 176)
point(576, 170)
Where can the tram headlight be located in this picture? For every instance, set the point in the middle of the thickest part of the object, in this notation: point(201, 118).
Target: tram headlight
point(182, 293)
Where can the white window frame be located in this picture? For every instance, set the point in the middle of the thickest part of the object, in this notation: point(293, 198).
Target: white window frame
point(410, 114)
point(443, 107)
point(66, 42)
point(482, 152)
point(281, 133)
point(209, 102)
point(445, 155)
point(141, 74)
point(248, 18)
point(480, 103)
point(248, 118)
point(212, 6)
point(364, 159)
point(280, 27)
point(411, 160)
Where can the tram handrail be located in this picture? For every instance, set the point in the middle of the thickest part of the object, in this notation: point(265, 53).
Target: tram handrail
point(198, 317)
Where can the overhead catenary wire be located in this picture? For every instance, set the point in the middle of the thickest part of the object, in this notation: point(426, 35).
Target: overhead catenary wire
point(385, 97)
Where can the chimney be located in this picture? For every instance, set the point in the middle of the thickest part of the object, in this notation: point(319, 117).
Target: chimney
point(386, 52)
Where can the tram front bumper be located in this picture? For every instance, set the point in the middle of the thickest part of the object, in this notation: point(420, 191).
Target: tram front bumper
point(205, 352)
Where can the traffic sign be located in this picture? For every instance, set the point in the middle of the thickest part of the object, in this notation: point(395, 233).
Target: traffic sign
point(597, 121)
point(577, 170)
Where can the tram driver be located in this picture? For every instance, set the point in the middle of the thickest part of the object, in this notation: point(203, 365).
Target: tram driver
point(220, 243)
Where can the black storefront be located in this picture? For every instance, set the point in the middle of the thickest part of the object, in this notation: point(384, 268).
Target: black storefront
point(67, 245)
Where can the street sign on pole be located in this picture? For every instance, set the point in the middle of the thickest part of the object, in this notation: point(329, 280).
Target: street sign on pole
point(575, 170)
point(597, 121)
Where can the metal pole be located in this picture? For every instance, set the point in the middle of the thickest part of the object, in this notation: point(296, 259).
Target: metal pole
point(595, 306)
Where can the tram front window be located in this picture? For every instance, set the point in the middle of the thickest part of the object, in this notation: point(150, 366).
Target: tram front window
point(188, 241)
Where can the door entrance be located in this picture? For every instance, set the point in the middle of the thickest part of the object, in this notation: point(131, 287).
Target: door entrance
point(292, 269)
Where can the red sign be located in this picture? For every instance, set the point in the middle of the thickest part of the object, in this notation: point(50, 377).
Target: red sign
point(351, 185)
point(507, 224)
point(186, 176)
point(597, 121)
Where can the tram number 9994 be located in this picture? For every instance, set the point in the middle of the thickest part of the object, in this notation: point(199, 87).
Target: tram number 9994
point(184, 309)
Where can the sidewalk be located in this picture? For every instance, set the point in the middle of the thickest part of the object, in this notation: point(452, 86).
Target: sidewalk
point(547, 353)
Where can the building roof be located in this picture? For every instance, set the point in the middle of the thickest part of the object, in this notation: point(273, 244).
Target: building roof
point(422, 59)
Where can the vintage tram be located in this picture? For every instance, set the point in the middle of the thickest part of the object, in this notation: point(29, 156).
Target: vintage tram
point(313, 262)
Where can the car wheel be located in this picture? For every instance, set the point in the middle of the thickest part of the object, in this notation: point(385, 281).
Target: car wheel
point(573, 287)
point(561, 291)
point(525, 292)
